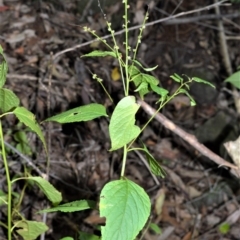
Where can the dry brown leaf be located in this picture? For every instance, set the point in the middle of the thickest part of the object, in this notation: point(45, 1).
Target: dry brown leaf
point(164, 150)
point(193, 192)
point(166, 233)
point(115, 74)
point(19, 50)
point(94, 219)
point(231, 207)
point(187, 236)
point(159, 201)
point(193, 174)
point(233, 218)
point(180, 101)
point(134, 172)
point(212, 220)
point(176, 179)
point(233, 148)
point(23, 21)
point(167, 218)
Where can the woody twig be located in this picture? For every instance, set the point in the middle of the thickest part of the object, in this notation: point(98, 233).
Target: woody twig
point(191, 139)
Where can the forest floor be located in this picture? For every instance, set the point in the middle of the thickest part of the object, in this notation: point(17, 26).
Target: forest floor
point(43, 42)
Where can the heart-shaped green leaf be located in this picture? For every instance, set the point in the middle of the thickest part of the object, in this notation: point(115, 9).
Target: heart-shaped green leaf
point(126, 207)
point(122, 126)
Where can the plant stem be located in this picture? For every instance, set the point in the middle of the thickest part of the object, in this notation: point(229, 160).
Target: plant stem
point(9, 185)
point(105, 90)
point(124, 160)
point(164, 103)
point(126, 47)
point(126, 90)
point(157, 111)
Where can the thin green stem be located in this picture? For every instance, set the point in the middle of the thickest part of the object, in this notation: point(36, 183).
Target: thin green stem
point(17, 206)
point(126, 47)
point(122, 76)
point(157, 111)
point(119, 56)
point(140, 37)
point(3, 225)
point(124, 160)
point(135, 149)
point(163, 104)
point(9, 184)
point(100, 39)
point(105, 90)
point(4, 114)
point(17, 179)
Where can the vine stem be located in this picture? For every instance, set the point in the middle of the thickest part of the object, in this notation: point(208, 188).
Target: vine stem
point(126, 90)
point(157, 111)
point(124, 160)
point(126, 47)
point(9, 184)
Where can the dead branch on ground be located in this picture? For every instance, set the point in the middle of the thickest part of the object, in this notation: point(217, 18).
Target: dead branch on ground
point(191, 139)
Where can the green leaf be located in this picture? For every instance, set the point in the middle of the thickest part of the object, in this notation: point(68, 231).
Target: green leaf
point(154, 227)
point(143, 92)
point(150, 79)
point(3, 68)
point(8, 100)
point(150, 69)
point(48, 189)
point(234, 79)
point(145, 69)
point(83, 113)
point(126, 207)
point(75, 206)
point(122, 126)
point(30, 230)
point(199, 80)
point(132, 70)
point(67, 238)
point(142, 85)
point(137, 79)
point(224, 228)
point(29, 120)
point(3, 195)
point(142, 81)
point(160, 91)
point(192, 101)
point(97, 53)
point(87, 236)
point(23, 144)
point(153, 164)
point(137, 62)
point(176, 78)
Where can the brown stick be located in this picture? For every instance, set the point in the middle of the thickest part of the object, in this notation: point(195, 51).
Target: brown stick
point(191, 139)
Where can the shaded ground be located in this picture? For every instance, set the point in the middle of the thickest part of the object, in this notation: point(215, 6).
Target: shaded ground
point(199, 196)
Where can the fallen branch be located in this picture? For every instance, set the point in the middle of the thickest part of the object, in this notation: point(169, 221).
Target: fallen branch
point(27, 160)
point(200, 18)
point(191, 139)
